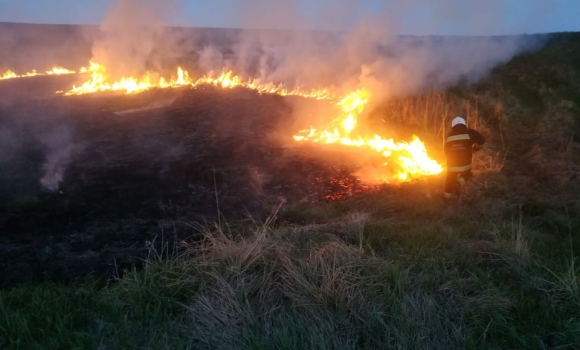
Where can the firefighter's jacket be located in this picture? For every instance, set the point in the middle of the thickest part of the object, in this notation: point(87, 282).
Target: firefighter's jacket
point(459, 147)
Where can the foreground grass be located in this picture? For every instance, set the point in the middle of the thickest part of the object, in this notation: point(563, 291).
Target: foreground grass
point(361, 280)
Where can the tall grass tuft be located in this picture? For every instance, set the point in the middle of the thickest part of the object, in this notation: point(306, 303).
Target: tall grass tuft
point(513, 240)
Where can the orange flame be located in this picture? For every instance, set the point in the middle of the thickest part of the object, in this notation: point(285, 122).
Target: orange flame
point(99, 81)
point(32, 73)
point(59, 71)
point(8, 75)
point(53, 71)
point(406, 159)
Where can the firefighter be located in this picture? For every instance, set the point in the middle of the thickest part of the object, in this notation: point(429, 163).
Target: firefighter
point(460, 144)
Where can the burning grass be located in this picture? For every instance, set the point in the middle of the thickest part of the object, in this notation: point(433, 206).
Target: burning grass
point(403, 160)
point(54, 71)
point(193, 146)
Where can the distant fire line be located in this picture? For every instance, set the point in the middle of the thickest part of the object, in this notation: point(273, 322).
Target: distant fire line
point(9, 74)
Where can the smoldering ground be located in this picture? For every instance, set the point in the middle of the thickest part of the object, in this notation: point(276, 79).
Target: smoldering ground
point(38, 140)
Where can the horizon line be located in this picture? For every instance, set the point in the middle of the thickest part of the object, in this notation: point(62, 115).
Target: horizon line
point(328, 31)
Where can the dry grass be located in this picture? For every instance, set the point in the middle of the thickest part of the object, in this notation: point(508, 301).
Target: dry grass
point(565, 283)
point(261, 280)
point(313, 287)
point(513, 240)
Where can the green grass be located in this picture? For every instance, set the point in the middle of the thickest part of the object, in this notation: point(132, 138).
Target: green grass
point(355, 281)
point(46, 317)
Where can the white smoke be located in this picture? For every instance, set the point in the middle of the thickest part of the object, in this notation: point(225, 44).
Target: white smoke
point(364, 50)
point(60, 150)
point(129, 31)
point(211, 59)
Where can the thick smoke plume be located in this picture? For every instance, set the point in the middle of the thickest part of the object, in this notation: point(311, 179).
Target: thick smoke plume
point(129, 33)
point(356, 43)
point(364, 48)
point(339, 45)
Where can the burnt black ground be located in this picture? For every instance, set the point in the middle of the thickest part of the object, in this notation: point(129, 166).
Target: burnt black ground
point(140, 176)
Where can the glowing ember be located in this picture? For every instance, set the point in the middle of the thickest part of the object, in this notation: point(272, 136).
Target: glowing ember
point(405, 160)
point(343, 186)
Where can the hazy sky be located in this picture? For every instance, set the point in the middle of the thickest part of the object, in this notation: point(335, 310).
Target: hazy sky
point(461, 17)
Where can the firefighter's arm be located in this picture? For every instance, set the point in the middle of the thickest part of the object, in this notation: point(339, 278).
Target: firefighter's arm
point(478, 140)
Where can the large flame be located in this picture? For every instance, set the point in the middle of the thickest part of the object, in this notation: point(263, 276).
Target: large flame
point(405, 160)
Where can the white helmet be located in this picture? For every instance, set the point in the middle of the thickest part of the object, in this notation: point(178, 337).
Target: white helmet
point(458, 120)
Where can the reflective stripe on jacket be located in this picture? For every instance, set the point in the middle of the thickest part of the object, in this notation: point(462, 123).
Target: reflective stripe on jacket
point(458, 147)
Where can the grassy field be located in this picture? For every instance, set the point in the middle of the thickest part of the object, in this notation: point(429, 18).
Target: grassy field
point(497, 268)
point(441, 279)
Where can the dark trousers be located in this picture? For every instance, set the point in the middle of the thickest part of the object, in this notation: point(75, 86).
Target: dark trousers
point(452, 182)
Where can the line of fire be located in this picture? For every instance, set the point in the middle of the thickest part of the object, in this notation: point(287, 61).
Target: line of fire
point(402, 160)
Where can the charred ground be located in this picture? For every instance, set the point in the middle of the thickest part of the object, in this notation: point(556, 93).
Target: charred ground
point(140, 169)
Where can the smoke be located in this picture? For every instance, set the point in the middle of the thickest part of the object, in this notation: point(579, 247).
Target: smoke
point(355, 44)
point(211, 59)
point(411, 66)
point(24, 47)
point(129, 33)
point(339, 45)
point(35, 148)
point(363, 48)
point(60, 149)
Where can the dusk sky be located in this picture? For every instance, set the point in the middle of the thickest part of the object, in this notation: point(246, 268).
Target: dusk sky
point(447, 17)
